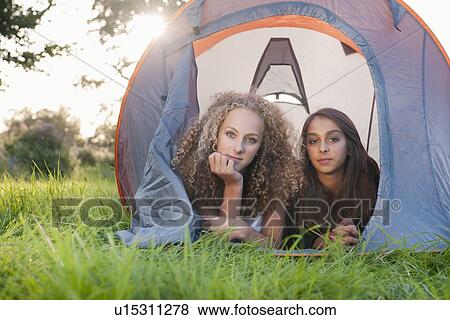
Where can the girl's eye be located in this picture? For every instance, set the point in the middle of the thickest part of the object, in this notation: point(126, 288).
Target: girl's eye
point(251, 140)
point(230, 134)
point(334, 139)
point(312, 141)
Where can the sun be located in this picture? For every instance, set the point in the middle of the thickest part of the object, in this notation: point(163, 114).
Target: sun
point(142, 29)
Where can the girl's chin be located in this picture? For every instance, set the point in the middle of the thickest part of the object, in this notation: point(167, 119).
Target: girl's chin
point(239, 169)
point(328, 171)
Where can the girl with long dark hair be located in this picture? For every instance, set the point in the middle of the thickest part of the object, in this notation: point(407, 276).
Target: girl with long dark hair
point(340, 180)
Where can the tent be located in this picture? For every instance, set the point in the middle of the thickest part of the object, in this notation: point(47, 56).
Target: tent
point(376, 60)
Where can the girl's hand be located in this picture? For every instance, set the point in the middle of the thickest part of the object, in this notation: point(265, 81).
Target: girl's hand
point(239, 229)
point(223, 167)
point(346, 232)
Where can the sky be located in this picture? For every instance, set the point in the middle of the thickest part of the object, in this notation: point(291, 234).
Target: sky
point(67, 23)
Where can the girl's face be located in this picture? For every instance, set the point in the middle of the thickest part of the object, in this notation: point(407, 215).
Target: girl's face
point(326, 146)
point(240, 137)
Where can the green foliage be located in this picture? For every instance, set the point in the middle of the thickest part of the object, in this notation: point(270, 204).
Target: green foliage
point(15, 25)
point(86, 157)
point(17, 21)
point(3, 159)
point(41, 141)
point(102, 143)
point(100, 147)
point(111, 19)
point(104, 136)
point(75, 261)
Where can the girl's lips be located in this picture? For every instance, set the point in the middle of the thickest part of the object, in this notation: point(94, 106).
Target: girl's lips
point(324, 161)
point(234, 158)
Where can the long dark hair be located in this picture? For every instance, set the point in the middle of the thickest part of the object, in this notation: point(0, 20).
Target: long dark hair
point(361, 176)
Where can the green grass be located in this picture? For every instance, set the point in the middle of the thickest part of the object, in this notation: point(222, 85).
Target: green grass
point(75, 261)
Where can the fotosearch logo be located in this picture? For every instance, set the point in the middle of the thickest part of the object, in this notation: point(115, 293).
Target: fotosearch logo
point(174, 212)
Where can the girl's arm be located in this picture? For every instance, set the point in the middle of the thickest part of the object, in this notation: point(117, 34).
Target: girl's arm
point(273, 225)
point(232, 195)
point(223, 167)
point(271, 234)
point(227, 216)
point(345, 232)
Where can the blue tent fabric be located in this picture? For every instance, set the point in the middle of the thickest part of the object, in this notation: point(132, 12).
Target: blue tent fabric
point(437, 120)
point(155, 220)
point(397, 11)
point(194, 12)
point(412, 87)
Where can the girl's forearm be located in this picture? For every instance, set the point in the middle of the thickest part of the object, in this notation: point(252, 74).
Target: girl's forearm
point(241, 231)
point(228, 218)
point(229, 210)
point(318, 243)
point(232, 195)
point(246, 234)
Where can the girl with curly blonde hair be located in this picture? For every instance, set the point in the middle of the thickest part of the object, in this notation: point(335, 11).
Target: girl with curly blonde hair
point(237, 157)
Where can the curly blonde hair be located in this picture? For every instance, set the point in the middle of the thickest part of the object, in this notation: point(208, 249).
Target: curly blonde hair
point(273, 173)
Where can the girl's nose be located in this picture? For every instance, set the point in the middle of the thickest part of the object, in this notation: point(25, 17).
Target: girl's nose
point(238, 147)
point(323, 147)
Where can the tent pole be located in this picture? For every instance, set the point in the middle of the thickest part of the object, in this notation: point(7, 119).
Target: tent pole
point(370, 123)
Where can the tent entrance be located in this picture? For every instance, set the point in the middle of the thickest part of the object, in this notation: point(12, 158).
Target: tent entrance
point(301, 64)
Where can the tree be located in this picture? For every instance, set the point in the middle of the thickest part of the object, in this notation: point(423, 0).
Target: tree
point(15, 24)
point(103, 143)
point(3, 160)
point(114, 14)
point(100, 147)
point(111, 21)
point(44, 139)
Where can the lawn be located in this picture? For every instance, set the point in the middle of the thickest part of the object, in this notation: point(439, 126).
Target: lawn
point(41, 260)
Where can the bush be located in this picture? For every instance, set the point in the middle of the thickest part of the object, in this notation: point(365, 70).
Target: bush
point(43, 140)
point(86, 158)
